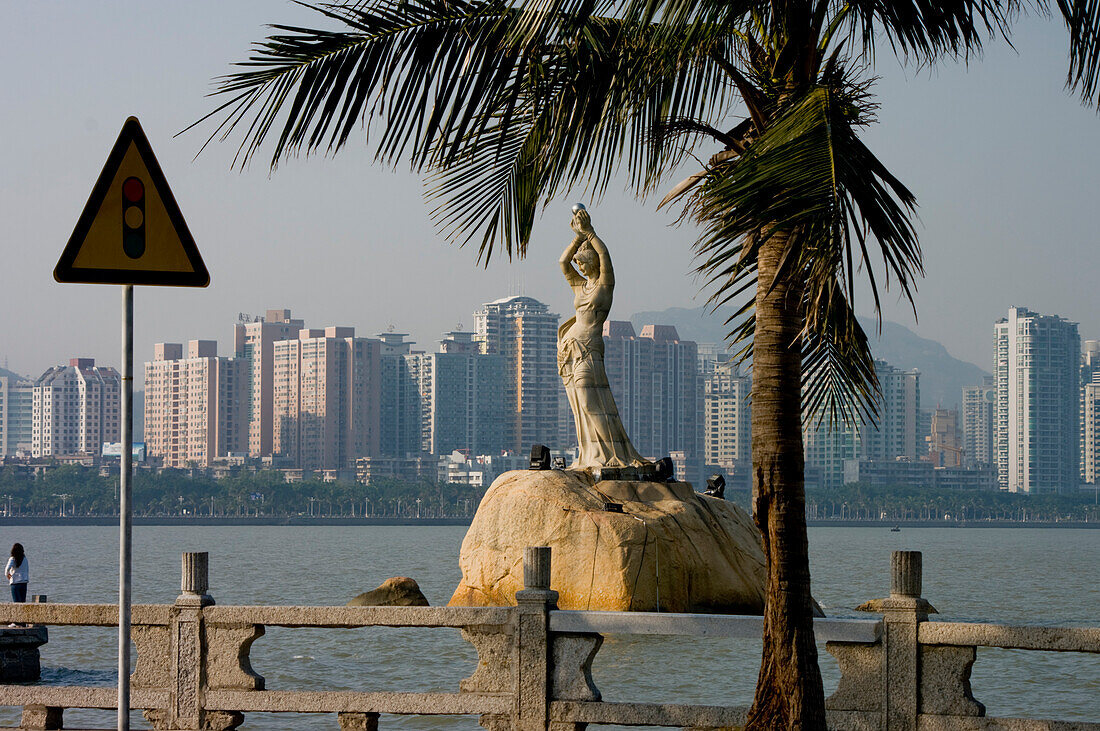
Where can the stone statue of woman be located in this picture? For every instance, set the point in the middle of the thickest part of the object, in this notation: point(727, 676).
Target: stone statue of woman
point(600, 435)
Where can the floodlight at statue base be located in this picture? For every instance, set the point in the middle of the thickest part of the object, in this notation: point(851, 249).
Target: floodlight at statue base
point(540, 457)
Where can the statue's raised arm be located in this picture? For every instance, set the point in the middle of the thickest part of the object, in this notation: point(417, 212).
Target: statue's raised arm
point(575, 278)
point(582, 225)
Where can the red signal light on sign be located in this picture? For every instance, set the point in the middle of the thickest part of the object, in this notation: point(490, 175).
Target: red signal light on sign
point(133, 217)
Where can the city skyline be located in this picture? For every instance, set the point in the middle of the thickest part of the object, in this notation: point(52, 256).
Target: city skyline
point(341, 240)
point(320, 398)
point(900, 345)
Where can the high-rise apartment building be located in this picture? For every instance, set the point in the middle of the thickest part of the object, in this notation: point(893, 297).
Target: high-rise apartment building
point(924, 427)
point(978, 408)
point(16, 415)
point(895, 433)
point(75, 409)
point(827, 446)
point(401, 419)
point(1036, 367)
point(254, 341)
point(1090, 430)
point(525, 332)
point(1090, 360)
point(195, 404)
point(727, 424)
point(1089, 411)
point(654, 377)
point(711, 356)
point(325, 398)
point(944, 442)
point(462, 404)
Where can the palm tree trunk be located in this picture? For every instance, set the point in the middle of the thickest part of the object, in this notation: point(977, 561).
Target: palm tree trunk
point(789, 694)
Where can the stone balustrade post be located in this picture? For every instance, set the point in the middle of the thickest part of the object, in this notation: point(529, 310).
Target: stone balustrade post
point(194, 574)
point(532, 642)
point(903, 611)
point(187, 652)
point(906, 568)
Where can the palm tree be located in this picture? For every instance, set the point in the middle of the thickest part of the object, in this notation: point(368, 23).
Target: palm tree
point(504, 105)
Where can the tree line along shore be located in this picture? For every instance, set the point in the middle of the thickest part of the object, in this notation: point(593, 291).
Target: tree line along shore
point(74, 490)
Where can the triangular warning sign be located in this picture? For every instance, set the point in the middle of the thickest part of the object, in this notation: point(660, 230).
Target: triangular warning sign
point(131, 230)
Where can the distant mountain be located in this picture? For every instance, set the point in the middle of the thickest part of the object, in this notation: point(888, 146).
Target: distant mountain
point(942, 376)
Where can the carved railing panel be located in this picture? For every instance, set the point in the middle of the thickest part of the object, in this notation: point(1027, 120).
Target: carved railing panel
point(860, 686)
point(228, 665)
point(494, 645)
point(571, 664)
point(945, 681)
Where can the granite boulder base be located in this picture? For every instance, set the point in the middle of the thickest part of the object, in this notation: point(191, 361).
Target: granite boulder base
point(696, 553)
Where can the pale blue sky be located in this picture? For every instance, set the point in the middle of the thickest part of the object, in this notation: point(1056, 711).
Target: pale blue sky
point(1003, 162)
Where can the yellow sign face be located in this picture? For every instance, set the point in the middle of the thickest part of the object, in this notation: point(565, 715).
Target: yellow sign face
point(131, 230)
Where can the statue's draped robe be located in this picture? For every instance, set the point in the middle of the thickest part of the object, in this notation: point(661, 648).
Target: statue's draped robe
point(600, 435)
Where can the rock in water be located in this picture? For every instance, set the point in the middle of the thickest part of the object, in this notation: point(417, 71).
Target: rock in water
point(400, 591)
point(697, 553)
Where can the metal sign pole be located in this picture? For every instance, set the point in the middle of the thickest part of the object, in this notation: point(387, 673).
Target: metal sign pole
point(130, 203)
point(125, 528)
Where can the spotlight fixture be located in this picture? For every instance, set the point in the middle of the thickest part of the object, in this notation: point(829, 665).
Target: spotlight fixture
point(665, 469)
point(716, 487)
point(540, 457)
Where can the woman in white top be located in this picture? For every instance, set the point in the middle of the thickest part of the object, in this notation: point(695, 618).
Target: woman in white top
point(18, 573)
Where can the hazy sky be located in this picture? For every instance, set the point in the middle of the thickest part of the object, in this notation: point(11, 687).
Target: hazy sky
point(1003, 162)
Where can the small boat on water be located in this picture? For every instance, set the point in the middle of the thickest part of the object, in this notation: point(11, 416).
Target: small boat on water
point(895, 529)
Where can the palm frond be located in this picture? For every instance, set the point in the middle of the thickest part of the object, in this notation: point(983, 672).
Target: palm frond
point(929, 29)
point(550, 21)
point(810, 177)
point(839, 382)
point(494, 188)
point(416, 67)
point(616, 87)
point(445, 79)
point(592, 106)
point(1082, 19)
point(682, 188)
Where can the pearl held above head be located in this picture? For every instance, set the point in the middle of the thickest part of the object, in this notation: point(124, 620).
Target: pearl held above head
point(578, 207)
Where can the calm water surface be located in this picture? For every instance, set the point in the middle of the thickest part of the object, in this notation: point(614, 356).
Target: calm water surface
point(1035, 576)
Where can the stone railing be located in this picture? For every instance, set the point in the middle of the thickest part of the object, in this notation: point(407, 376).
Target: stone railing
point(918, 675)
point(534, 662)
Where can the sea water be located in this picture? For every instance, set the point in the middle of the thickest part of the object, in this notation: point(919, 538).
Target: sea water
point(1013, 575)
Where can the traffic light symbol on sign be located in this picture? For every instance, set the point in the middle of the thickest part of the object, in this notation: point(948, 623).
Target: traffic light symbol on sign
point(131, 230)
point(133, 217)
